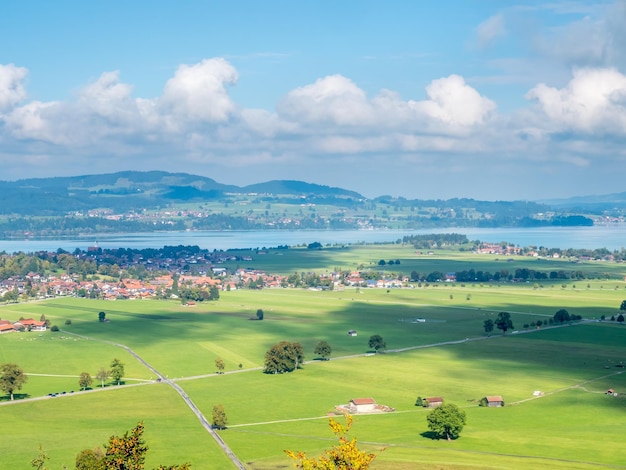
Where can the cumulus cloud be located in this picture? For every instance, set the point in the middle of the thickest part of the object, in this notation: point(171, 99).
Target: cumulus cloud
point(332, 100)
point(107, 96)
point(594, 100)
point(34, 121)
point(338, 104)
point(454, 102)
point(12, 89)
point(198, 92)
point(490, 30)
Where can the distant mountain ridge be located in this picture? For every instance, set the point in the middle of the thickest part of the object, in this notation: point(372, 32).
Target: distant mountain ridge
point(590, 203)
point(128, 190)
point(139, 190)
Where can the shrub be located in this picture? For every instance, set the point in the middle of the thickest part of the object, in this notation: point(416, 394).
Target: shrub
point(54, 328)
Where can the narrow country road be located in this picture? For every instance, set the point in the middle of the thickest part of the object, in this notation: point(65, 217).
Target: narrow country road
point(238, 463)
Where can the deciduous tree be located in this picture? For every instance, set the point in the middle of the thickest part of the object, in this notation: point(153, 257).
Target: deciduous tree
point(343, 456)
point(117, 370)
point(127, 452)
point(219, 419)
point(39, 462)
point(446, 421)
point(377, 343)
point(503, 322)
point(102, 375)
point(562, 316)
point(488, 326)
point(101, 316)
point(323, 349)
point(85, 380)
point(219, 365)
point(283, 357)
point(623, 305)
point(259, 314)
point(89, 459)
point(12, 378)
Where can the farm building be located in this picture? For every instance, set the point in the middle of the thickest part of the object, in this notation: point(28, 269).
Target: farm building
point(433, 402)
point(351, 332)
point(494, 401)
point(362, 405)
point(6, 326)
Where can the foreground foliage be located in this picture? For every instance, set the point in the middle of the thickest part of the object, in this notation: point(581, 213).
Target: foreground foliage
point(343, 456)
point(127, 452)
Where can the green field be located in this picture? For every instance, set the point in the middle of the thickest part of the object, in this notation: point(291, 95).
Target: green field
point(574, 424)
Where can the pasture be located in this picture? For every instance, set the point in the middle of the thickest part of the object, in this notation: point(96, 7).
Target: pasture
point(574, 424)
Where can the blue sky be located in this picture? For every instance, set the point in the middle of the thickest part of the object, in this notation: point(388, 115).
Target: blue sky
point(485, 99)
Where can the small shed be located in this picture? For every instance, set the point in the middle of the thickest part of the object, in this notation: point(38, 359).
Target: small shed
point(494, 401)
point(351, 332)
point(362, 405)
point(433, 402)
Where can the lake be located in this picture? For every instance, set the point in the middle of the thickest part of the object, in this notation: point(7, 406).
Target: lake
point(612, 237)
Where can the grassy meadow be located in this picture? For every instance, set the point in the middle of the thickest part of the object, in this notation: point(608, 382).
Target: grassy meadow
point(572, 425)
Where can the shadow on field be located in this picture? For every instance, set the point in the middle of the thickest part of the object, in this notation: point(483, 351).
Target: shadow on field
point(16, 396)
point(430, 435)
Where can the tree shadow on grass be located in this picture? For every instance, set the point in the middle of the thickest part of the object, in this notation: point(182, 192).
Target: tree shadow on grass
point(16, 396)
point(435, 436)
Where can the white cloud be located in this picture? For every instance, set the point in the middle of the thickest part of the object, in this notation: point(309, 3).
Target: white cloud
point(594, 101)
point(34, 121)
point(12, 89)
point(454, 102)
point(198, 92)
point(490, 30)
point(107, 96)
point(332, 100)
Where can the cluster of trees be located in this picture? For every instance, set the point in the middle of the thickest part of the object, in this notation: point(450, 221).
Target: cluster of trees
point(519, 275)
point(283, 357)
point(115, 372)
point(12, 377)
point(391, 262)
point(502, 322)
point(435, 240)
point(198, 294)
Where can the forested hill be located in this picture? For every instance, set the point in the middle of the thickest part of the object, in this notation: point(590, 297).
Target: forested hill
point(134, 190)
point(155, 200)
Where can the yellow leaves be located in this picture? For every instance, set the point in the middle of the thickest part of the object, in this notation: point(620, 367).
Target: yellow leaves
point(343, 456)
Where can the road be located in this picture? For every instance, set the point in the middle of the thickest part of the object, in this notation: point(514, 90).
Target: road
point(203, 421)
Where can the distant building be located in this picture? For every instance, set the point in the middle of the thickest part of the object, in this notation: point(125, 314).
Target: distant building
point(433, 402)
point(362, 405)
point(494, 401)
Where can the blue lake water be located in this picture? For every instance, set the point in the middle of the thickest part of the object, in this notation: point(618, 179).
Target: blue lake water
point(611, 237)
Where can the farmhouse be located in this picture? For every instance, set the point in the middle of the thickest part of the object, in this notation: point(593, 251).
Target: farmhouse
point(433, 402)
point(362, 405)
point(494, 401)
point(6, 326)
point(31, 325)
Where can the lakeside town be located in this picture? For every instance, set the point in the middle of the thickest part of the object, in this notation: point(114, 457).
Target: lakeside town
point(192, 274)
